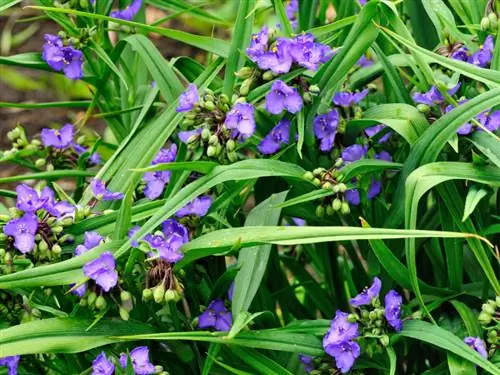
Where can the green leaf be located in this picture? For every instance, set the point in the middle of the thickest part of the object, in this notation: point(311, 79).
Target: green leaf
point(6, 4)
point(488, 145)
point(469, 317)
point(69, 104)
point(241, 321)
point(65, 335)
point(474, 196)
point(53, 175)
point(460, 366)
point(392, 359)
point(259, 362)
point(285, 24)
point(124, 216)
point(444, 339)
point(252, 261)
point(202, 167)
point(332, 27)
point(307, 197)
point(367, 166)
point(184, 7)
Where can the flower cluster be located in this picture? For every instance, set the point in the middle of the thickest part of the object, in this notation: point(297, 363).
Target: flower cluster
point(373, 321)
point(138, 357)
point(488, 318)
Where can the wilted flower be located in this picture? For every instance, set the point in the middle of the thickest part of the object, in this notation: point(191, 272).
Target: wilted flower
point(283, 97)
point(325, 129)
point(102, 271)
point(131, 233)
point(368, 294)
point(67, 59)
point(188, 99)
point(354, 152)
point(278, 135)
point(91, 240)
point(100, 191)
point(129, 12)
point(80, 290)
point(198, 206)
point(102, 365)
point(140, 361)
point(11, 362)
point(348, 99)
point(23, 230)
point(58, 138)
point(216, 316)
point(433, 96)
point(477, 344)
point(393, 302)
point(240, 119)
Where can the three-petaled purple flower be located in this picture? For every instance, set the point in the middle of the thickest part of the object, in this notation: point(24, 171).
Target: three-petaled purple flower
point(12, 362)
point(325, 129)
point(364, 61)
point(352, 196)
point(102, 365)
point(171, 227)
point(198, 206)
point(59, 57)
point(345, 355)
point(56, 209)
point(278, 135)
point(188, 99)
point(140, 361)
point(156, 181)
point(477, 344)
point(278, 58)
point(29, 200)
point(216, 316)
point(90, 240)
point(348, 99)
point(283, 97)
point(240, 119)
point(368, 294)
point(393, 302)
point(100, 191)
point(307, 53)
point(353, 153)
point(483, 56)
point(23, 230)
point(56, 138)
point(129, 12)
point(433, 96)
point(102, 271)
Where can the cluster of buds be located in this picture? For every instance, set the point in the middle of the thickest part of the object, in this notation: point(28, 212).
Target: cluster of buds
point(22, 147)
point(97, 300)
point(328, 179)
point(489, 318)
point(166, 286)
point(490, 20)
point(10, 308)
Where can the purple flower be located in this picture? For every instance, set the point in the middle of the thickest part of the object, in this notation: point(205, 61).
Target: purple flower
point(28, 199)
point(278, 59)
point(188, 99)
point(340, 330)
point(283, 97)
point(79, 291)
point(298, 221)
point(102, 365)
point(374, 130)
point(23, 230)
point(198, 206)
point(129, 12)
point(140, 361)
point(353, 153)
point(364, 62)
point(91, 240)
point(292, 9)
point(58, 138)
point(54, 208)
point(477, 344)
point(155, 183)
point(95, 158)
point(460, 54)
point(325, 129)
point(489, 121)
point(352, 196)
point(240, 119)
point(230, 292)
point(168, 249)
point(11, 362)
point(258, 44)
point(131, 233)
point(58, 57)
point(278, 135)
point(383, 155)
point(307, 53)
point(368, 294)
point(171, 227)
point(374, 189)
point(483, 56)
point(100, 191)
point(393, 302)
point(216, 316)
point(307, 361)
point(185, 135)
point(348, 99)
point(102, 271)
point(345, 354)
point(433, 96)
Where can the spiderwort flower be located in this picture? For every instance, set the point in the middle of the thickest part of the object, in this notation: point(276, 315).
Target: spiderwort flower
point(477, 344)
point(140, 361)
point(283, 97)
point(58, 57)
point(12, 362)
point(100, 191)
point(393, 302)
point(156, 181)
point(368, 294)
point(433, 96)
point(490, 121)
point(129, 12)
point(58, 138)
point(102, 271)
point(28, 199)
point(198, 206)
point(79, 291)
point(383, 155)
point(352, 196)
point(188, 99)
point(171, 227)
point(258, 44)
point(216, 316)
point(230, 292)
point(340, 330)
point(292, 10)
point(374, 189)
point(91, 240)
point(102, 365)
point(348, 99)
point(168, 249)
point(354, 152)
point(364, 61)
point(185, 135)
point(325, 129)
point(240, 119)
point(278, 59)
point(305, 52)
point(23, 230)
point(483, 56)
point(278, 135)
point(374, 130)
point(56, 209)
point(345, 354)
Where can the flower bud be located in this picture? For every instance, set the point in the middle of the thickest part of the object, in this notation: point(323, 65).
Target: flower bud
point(320, 211)
point(57, 229)
point(318, 172)
point(344, 208)
point(488, 309)
point(352, 318)
point(314, 89)
point(493, 20)
point(336, 189)
point(327, 185)
point(124, 314)
point(245, 86)
point(100, 303)
point(7, 258)
point(67, 221)
point(484, 318)
point(92, 298)
point(51, 220)
point(384, 340)
point(211, 151)
point(2, 253)
point(213, 140)
point(159, 293)
point(224, 99)
point(423, 108)
point(376, 331)
point(39, 163)
point(187, 122)
point(14, 134)
point(307, 97)
point(83, 302)
point(492, 334)
point(50, 168)
point(372, 315)
point(485, 24)
point(336, 204)
point(244, 73)
point(230, 145)
point(268, 76)
point(209, 106)
point(232, 156)
point(42, 246)
point(169, 295)
point(329, 210)
point(36, 142)
point(125, 296)
point(342, 187)
point(205, 134)
point(308, 176)
point(158, 369)
point(147, 294)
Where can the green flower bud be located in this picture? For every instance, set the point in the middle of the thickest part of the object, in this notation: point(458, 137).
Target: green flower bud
point(314, 89)
point(190, 116)
point(344, 208)
point(4, 218)
point(493, 20)
point(2, 253)
point(240, 99)
point(100, 303)
point(36, 313)
point(92, 298)
point(187, 122)
point(488, 309)
point(158, 369)
point(336, 189)
point(125, 296)
point(230, 145)
point(384, 340)
point(338, 162)
point(320, 211)
point(316, 182)
point(42, 246)
point(318, 172)
point(244, 73)
point(192, 139)
point(159, 293)
point(14, 134)
point(327, 185)
point(169, 295)
point(205, 134)
point(308, 176)
point(342, 187)
point(484, 318)
point(50, 168)
point(211, 151)
point(352, 318)
point(36, 142)
point(67, 221)
point(31, 147)
point(329, 210)
point(376, 331)
point(224, 99)
point(268, 76)
point(245, 86)
point(147, 294)
point(213, 140)
point(56, 249)
point(7, 258)
point(51, 220)
point(423, 108)
point(39, 163)
point(232, 156)
point(209, 106)
point(372, 315)
point(307, 97)
point(336, 204)
point(492, 334)
point(83, 302)
point(124, 314)
point(57, 229)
